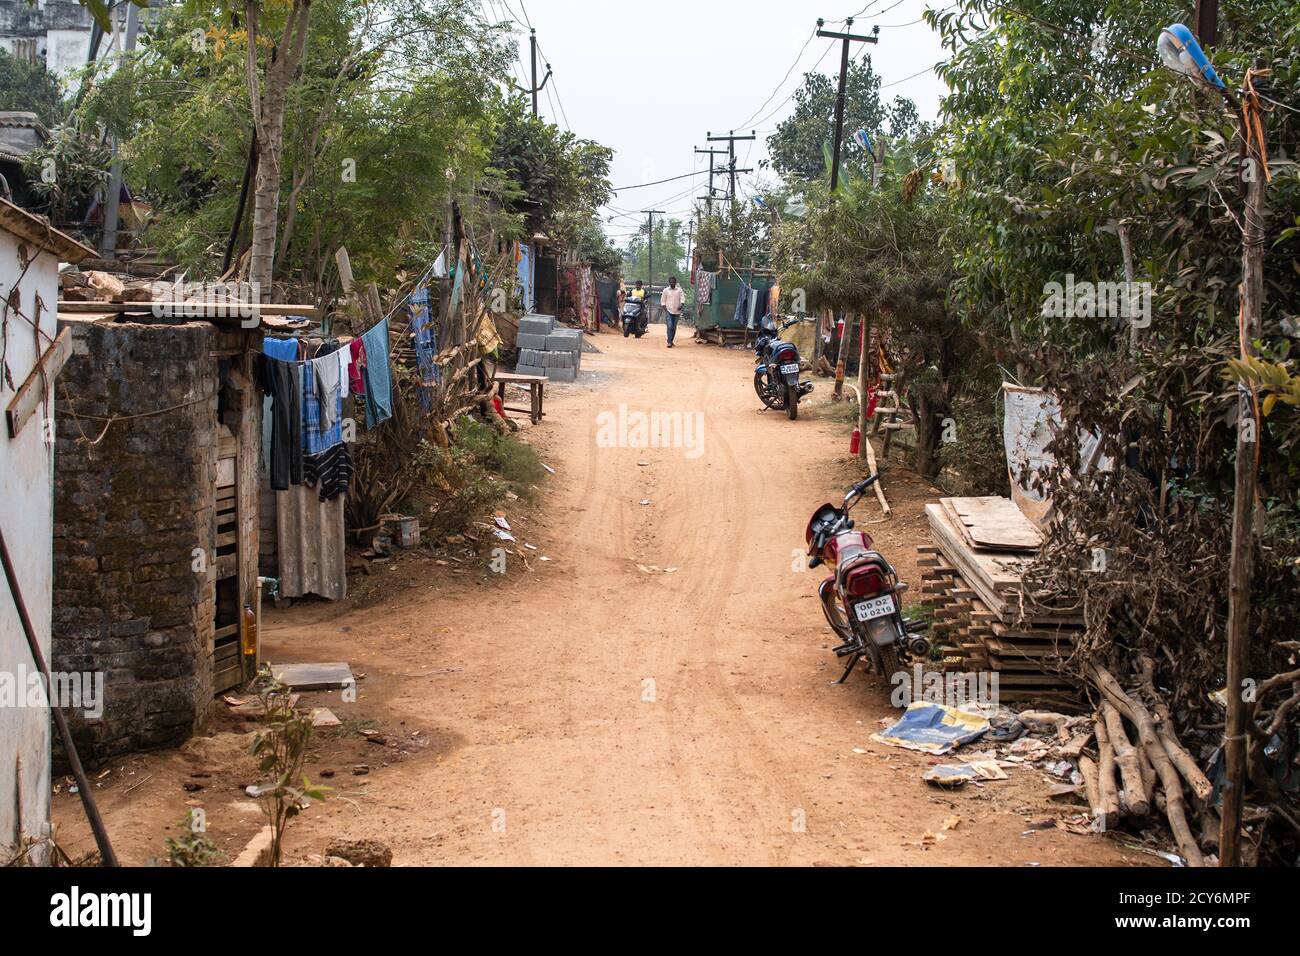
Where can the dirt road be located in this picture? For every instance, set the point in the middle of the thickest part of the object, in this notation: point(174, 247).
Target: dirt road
point(588, 712)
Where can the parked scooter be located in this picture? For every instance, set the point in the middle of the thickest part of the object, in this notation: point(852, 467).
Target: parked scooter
point(862, 599)
point(635, 317)
point(776, 376)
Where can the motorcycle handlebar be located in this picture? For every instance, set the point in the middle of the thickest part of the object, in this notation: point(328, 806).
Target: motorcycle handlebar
point(859, 489)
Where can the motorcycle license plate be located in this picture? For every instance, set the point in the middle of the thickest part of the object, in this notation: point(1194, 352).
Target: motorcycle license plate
point(876, 607)
point(790, 367)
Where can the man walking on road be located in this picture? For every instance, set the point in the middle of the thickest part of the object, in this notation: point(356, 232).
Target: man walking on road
point(671, 299)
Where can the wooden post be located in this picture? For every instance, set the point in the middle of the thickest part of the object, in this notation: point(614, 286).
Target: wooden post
point(845, 340)
point(863, 363)
point(1241, 560)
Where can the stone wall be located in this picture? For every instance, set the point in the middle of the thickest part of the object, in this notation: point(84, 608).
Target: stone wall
point(131, 511)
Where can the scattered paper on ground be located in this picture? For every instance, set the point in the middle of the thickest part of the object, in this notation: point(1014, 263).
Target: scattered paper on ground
point(933, 728)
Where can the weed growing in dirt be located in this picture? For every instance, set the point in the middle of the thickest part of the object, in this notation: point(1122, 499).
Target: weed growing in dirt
point(281, 747)
point(475, 473)
point(193, 848)
point(503, 455)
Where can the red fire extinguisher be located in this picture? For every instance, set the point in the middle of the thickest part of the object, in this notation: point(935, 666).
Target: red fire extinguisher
point(855, 442)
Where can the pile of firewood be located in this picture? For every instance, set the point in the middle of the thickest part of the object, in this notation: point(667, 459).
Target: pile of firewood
point(1140, 766)
point(94, 286)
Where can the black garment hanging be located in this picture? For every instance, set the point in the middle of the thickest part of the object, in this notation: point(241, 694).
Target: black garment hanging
point(281, 381)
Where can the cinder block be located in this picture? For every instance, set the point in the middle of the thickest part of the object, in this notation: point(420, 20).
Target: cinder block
point(537, 324)
point(531, 340)
point(530, 370)
point(563, 374)
point(564, 340)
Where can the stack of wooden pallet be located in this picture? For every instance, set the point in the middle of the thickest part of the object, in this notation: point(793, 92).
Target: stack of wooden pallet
point(983, 619)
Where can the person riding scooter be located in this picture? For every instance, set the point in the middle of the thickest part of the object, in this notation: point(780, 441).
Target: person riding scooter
point(635, 315)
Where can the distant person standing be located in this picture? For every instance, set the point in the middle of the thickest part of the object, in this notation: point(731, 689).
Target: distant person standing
point(671, 299)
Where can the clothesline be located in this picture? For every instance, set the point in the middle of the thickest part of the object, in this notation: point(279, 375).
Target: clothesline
point(424, 276)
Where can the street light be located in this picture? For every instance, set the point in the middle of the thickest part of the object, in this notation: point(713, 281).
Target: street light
point(1180, 52)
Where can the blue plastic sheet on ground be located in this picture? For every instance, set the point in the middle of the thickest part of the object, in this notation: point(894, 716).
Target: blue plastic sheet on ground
point(933, 729)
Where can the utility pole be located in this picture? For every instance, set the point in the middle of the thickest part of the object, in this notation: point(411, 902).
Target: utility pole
point(532, 46)
point(711, 153)
point(650, 227)
point(113, 194)
point(839, 97)
point(1205, 22)
point(1244, 505)
point(731, 141)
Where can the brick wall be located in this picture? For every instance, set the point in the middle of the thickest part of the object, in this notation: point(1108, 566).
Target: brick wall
point(129, 512)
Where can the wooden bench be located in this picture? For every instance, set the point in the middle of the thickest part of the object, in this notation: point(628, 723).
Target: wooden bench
point(536, 385)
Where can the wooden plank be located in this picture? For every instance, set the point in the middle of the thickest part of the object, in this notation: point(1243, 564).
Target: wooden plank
point(993, 523)
point(248, 460)
point(226, 566)
point(38, 231)
point(1034, 680)
point(31, 394)
point(194, 310)
point(1064, 633)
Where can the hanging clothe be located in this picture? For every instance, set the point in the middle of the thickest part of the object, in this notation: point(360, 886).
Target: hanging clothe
point(344, 356)
point(279, 380)
point(378, 378)
point(743, 298)
point(356, 380)
point(326, 462)
point(328, 375)
point(425, 339)
point(757, 306)
point(286, 350)
point(704, 282)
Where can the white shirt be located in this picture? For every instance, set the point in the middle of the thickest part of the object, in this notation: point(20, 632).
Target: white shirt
point(671, 299)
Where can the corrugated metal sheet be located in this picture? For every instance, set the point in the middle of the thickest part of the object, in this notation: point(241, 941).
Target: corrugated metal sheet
point(310, 544)
point(720, 312)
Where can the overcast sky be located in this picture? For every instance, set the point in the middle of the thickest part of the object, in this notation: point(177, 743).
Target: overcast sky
point(650, 79)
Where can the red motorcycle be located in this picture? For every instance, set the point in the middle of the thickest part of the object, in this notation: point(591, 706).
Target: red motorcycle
point(862, 599)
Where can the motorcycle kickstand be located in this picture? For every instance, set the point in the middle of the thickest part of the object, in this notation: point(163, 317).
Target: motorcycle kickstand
point(853, 662)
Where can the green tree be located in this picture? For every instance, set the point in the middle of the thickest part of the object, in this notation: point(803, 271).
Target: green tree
point(377, 134)
point(1063, 141)
point(669, 254)
point(30, 88)
point(557, 181)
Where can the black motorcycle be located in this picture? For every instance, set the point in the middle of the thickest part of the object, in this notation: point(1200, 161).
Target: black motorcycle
point(635, 317)
point(776, 376)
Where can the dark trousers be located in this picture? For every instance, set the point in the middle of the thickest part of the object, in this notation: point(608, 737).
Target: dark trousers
point(671, 320)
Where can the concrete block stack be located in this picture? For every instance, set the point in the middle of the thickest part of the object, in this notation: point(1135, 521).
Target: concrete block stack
point(549, 350)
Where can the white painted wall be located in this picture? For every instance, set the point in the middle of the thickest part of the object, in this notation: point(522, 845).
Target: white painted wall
point(66, 51)
point(26, 517)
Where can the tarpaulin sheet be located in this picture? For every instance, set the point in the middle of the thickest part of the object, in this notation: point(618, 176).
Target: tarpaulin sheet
point(933, 728)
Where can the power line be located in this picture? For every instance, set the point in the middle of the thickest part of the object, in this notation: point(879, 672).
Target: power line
point(758, 122)
point(797, 58)
point(619, 189)
point(928, 69)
